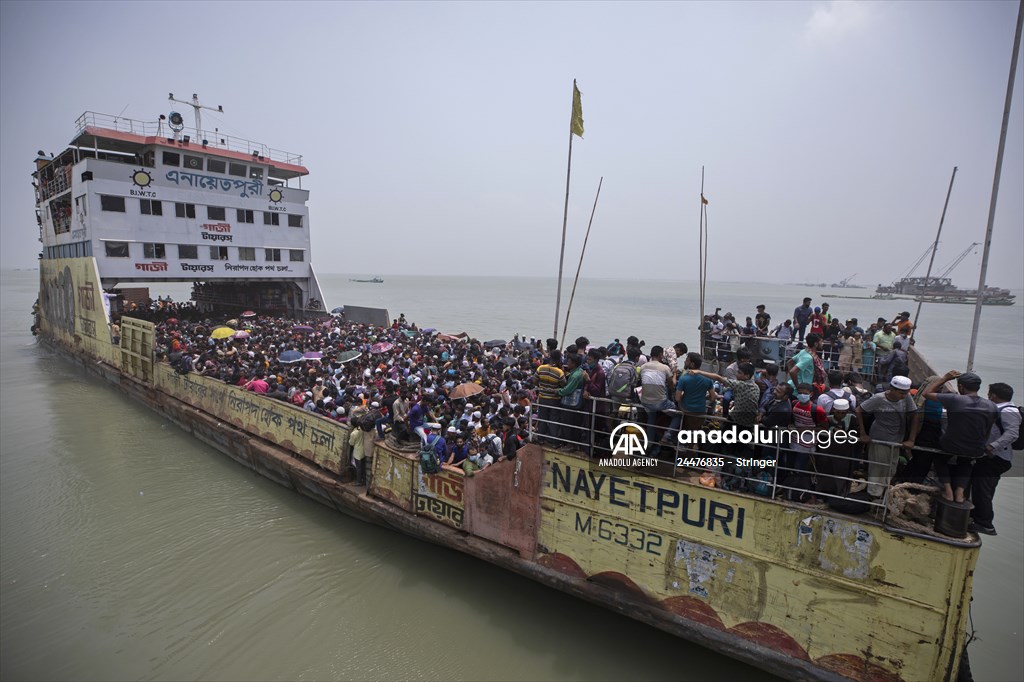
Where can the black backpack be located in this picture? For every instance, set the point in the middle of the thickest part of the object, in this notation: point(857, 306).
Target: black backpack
point(1018, 444)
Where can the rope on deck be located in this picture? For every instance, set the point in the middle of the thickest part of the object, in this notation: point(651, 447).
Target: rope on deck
point(909, 504)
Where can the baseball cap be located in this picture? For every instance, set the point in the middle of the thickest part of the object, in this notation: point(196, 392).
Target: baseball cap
point(969, 380)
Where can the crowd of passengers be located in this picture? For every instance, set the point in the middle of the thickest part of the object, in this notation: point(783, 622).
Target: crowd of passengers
point(400, 379)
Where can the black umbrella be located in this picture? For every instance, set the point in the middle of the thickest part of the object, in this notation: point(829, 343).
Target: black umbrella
point(494, 342)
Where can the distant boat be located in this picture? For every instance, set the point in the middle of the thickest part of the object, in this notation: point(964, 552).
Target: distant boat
point(375, 280)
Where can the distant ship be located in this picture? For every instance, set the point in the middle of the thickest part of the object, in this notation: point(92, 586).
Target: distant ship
point(845, 283)
point(375, 280)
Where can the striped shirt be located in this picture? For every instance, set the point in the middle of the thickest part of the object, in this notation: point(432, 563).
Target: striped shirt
point(549, 380)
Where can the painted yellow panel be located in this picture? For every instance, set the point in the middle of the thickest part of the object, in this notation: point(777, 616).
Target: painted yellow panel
point(72, 304)
point(821, 584)
point(310, 436)
point(440, 496)
point(394, 476)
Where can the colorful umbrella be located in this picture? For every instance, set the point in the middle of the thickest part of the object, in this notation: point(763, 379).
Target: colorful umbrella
point(290, 356)
point(302, 328)
point(339, 310)
point(241, 334)
point(312, 355)
point(382, 347)
point(465, 391)
point(222, 333)
point(232, 323)
point(248, 313)
point(172, 320)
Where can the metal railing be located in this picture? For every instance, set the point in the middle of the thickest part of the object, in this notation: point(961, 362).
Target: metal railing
point(153, 128)
point(589, 429)
point(720, 352)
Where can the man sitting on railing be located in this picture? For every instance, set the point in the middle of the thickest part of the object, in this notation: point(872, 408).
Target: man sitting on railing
point(655, 384)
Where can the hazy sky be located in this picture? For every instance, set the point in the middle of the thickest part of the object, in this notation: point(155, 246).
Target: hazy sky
point(436, 133)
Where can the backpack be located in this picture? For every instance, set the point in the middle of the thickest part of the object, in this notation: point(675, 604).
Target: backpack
point(622, 381)
point(1018, 444)
point(185, 364)
point(899, 364)
point(430, 463)
point(493, 445)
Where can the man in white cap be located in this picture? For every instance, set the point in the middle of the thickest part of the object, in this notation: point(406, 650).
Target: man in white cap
point(895, 412)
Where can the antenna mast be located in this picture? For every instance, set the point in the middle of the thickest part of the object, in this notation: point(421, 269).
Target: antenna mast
point(196, 106)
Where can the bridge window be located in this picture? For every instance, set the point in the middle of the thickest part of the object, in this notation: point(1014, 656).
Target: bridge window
point(218, 253)
point(153, 251)
point(172, 159)
point(236, 169)
point(151, 207)
point(109, 203)
point(185, 210)
point(272, 255)
point(294, 221)
point(216, 166)
point(245, 216)
point(295, 255)
point(215, 212)
point(271, 218)
point(116, 249)
point(255, 173)
point(193, 162)
point(188, 252)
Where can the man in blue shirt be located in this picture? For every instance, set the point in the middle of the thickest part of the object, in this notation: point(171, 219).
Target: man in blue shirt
point(692, 393)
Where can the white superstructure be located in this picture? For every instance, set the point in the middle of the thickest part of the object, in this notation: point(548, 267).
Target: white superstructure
point(154, 201)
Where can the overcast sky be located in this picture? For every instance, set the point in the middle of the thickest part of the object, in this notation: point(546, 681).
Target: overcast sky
point(436, 133)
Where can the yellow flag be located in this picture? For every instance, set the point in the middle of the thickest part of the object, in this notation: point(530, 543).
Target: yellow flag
point(576, 125)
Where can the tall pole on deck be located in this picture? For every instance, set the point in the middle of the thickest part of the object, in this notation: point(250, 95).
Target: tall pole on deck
point(575, 128)
point(980, 300)
point(703, 255)
point(935, 247)
point(561, 253)
point(580, 266)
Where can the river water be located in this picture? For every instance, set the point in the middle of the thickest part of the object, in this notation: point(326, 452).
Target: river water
point(132, 551)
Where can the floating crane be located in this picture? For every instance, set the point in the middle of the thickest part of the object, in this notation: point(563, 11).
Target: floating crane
point(959, 259)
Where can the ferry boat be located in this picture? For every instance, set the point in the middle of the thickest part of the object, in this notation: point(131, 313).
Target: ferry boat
point(375, 280)
point(803, 592)
point(942, 290)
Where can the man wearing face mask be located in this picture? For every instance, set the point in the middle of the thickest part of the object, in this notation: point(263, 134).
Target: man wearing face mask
point(807, 416)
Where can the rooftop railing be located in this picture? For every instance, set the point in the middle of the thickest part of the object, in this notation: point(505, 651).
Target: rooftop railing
point(214, 139)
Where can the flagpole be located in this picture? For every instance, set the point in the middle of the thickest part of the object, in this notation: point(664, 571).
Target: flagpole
point(579, 267)
point(565, 220)
point(980, 298)
point(700, 255)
